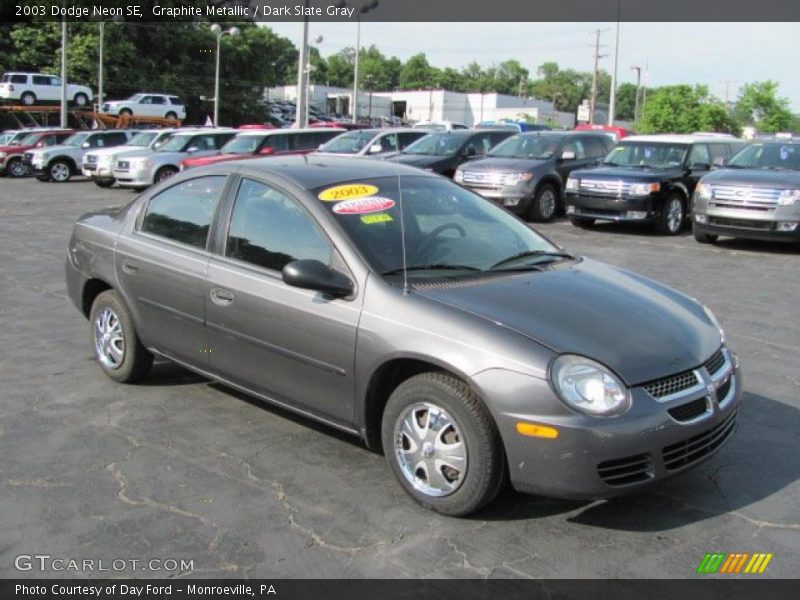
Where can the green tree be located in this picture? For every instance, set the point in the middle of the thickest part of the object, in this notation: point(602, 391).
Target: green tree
point(341, 67)
point(758, 105)
point(626, 101)
point(417, 73)
point(685, 109)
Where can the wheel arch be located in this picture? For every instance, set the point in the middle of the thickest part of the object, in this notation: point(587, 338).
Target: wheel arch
point(73, 167)
point(91, 290)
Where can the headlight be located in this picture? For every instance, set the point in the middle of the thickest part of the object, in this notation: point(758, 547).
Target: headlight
point(713, 319)
point(788, 197)
point(458, 177)
point(573, 184)
point(2, 154)
point(43, 156)
point(703, 191)
point(643, 189)
point(588, 386)
point(515, 178)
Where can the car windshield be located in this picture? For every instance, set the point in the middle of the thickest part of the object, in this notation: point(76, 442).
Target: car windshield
point(28, 140)
point(135, 97)
point(437, 144)
point(539, 146)
point(773, 155)
point(76, 140)
point(351, 142)
point(243, 144)
point(142, 139)
point(176, 143)
point(449, 231)
point(653, 155)
point(20, 137)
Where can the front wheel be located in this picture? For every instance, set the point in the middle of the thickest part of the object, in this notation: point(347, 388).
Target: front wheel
point(442, 444)
point(81, 99)
point(544, 204)
point(16, 168)
point(165, 173)
point(59, 171)
point(28, 98)
point(172, 115)
point(116, 346)
point(670, 221)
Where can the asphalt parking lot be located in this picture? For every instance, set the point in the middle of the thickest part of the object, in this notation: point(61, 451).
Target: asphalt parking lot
point(182, 468)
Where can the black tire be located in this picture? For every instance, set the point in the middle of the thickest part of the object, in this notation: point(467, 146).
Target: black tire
point(582, 222)
point(136, 359)
point(668, 223)
point(43, 177)
point(59, 171)
point(28, 98)
point(485, 471)
point(172, 115)
point(16, 168)
point(81, 99)
point(103, 183)
point(164, 173)
point(544, 204)
point(704, 238)
point(125, 112)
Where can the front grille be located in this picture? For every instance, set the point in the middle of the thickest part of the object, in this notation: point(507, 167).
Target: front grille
point(605, 188)
point(742, 207)
point(624, 471)
point(741, 223)
point(743, 196)
point(690, 410)
point(124, 164)
point(671, 385)
point(723, 390)
point(597, 211)
point(92, 159)
point(687, 452)
point(489, 178)
point(27, 157)
point(715, 363)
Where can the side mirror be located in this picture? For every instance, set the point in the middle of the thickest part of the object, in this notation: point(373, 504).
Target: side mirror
point(699, 166)
point(720, 162)
point(267, 151)
point(375, 149)
point(192, 150)
point(568, 155)
point(314, 275)
point(85, 145)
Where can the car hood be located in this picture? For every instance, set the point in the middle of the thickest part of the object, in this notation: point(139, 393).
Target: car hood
point(55, 149)
point(626, 173)
point(419, 160)
point(755, 177)
point(638, 327)
point(142, 153)
point(507, 165)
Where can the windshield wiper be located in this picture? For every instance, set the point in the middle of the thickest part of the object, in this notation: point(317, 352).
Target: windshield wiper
point(530, 253)
point(431, 267)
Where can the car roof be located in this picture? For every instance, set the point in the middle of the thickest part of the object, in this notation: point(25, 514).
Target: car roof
point(678, 138)
point(258, 132)
point(313, 171)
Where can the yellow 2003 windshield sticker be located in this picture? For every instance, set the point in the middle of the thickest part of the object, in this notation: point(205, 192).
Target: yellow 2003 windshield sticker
point(378, 218)
point(347, 191)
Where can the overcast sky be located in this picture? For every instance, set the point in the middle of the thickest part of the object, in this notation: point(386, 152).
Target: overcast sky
point(708, 53)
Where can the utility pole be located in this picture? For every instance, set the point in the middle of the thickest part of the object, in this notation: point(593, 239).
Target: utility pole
point(597, 57)
point(636, 100)
point(64, 74)
point(300, 104)
point(612, 104)
point(727, 83)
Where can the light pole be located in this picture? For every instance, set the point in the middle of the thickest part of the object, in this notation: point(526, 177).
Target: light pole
point(63, 74)
point(308, 69)
point(369, 81)
point(367, 6)
point(612, 103)
point(636, 100)
point(217, 30)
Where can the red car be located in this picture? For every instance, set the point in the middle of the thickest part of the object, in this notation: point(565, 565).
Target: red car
point(11, 156)
point(271, 142)
point(616, 132)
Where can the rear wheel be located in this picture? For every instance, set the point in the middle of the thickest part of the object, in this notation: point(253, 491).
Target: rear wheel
point(16, 168)
point(172, 115)
point(59, 171)
point(544, 204)
point(442, 444)
point(28, 98)
point(704, 238)
point(165, 173)
point(583, 222)
point(125, 112)
point(81, 99)
point(670, 221)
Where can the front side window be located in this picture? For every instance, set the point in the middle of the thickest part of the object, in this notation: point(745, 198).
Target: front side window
point(183, 212)
point(242, 144)
point(438, 144)
point(41, 80)
point(539, 146)
point(351, 142)
point(269, 229)
point(652, 155)
point(699, 155)
point(770, 155)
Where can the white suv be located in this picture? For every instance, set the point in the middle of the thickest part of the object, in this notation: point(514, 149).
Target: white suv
point(98, 164)
point(148, 105)
point(30, 88)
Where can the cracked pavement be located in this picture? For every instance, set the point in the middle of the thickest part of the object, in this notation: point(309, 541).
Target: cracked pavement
point(178, 467)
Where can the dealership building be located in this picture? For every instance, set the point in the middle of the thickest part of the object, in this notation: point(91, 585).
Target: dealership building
point(429, 105)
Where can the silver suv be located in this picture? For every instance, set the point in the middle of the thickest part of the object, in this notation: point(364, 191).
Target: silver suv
point(98, 165)
point(756, 195)
point(60, 163)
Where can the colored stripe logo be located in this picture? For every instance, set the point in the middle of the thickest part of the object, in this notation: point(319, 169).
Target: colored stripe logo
point(736, 562)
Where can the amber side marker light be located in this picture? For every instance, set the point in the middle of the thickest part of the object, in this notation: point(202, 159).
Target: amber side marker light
point(533, 430)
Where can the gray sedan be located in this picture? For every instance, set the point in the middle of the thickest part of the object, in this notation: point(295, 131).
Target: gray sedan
point(410, 312)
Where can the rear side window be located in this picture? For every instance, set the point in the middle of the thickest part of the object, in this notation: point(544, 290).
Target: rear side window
point(269, 229)
point(409, 138)
point(41, 80)
point(19, 79)
point(176, 101)
point(594, 146)
point(158, 100)
point(699, 154)
point(574, 145)
point(115, 139)
point(183, 212)
point(279, 143)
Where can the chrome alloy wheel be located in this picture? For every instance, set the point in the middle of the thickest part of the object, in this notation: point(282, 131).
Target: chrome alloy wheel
point(547, 203)
point(430, 449)
point(674, 215)
point(109, 339)
point(59, 172)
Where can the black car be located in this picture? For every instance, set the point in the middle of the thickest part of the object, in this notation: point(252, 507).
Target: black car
point(526, 172)
point(444, 151)
point(646, 178)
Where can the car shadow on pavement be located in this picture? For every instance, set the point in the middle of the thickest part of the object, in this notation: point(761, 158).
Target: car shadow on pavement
point(633, 229)
point(754, 465)
point(167, 373)
point(760, 246)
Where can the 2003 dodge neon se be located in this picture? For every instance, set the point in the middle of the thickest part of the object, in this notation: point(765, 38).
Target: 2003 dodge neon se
point(494, 355)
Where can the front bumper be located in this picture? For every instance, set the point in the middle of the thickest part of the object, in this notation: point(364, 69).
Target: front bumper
point(512, 197)
point(771, 222)
point(133, 177)
point(611, 208)
point(98, 171)
point(604, 457)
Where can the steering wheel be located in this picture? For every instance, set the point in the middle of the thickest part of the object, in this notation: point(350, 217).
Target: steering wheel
point(432, 239)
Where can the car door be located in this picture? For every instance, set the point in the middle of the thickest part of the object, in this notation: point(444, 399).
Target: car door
point(293, 345)
point(578, 159)
point(158, 106)
point(40, 85)
point(698, 162)
point(161, 265)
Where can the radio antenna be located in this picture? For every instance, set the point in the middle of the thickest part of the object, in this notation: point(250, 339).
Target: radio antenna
point(402, 215)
